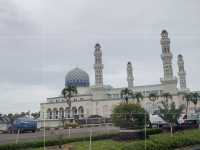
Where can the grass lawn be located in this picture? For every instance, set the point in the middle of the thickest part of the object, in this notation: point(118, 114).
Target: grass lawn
point(101, 145)
point(97, 145)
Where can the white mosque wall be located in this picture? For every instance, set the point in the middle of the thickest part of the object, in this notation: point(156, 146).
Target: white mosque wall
point(104, 107)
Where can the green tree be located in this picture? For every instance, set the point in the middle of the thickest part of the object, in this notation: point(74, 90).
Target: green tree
point(68, 93)
point(170, 113)
point(126, 94)
point(195, 98)
point(153, 97)
point(188, 98)
point(12, 116)
point(129, 116)
point(167, 96)
point(138, 96)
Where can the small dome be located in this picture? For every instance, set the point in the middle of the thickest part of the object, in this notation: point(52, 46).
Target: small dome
point(77, 77)
point(97, 46)
point(180, 57)
point(164, 33)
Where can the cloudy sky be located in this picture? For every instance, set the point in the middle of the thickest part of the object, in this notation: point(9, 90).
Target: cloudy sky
point(41, 40)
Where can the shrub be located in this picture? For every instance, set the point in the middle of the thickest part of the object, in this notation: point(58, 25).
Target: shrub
point(166, 141)
point(39, 143)
point(152, 131)
point(71, 125)
point(136, 135)
point(127, 136)
point(129, 116)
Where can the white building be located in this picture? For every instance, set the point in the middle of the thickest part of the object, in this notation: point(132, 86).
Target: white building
point(100, 99)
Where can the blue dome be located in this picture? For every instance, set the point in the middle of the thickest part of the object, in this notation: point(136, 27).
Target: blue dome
point(77, 77)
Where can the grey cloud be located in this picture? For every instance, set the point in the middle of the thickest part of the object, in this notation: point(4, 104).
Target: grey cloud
point(13, 21)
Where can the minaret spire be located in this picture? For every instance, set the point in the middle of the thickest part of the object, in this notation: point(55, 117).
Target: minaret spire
point(181, 73)
point(169, 81)
point(166, 56)
point(130, 75)
point(98, 66)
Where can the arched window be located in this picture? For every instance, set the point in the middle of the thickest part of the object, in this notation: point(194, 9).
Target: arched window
point(55, 113)
point(67, 113)
point(61, 113)
point(49, 114)
point(81, 112)
point(74, 111)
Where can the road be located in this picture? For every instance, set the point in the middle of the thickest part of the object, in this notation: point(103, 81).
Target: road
point(196, 147)
point(54, 134)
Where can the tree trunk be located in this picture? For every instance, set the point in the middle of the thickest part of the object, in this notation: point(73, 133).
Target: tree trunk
point(195, 108)
point(126, 100)
point(187, 104)
point(153, 107)
point(171, 127)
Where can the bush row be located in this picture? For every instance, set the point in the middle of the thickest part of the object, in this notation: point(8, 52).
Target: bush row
point(139, 135)
point(127, 136)
point(166, 141)
point(39, 143)
point(152, 131)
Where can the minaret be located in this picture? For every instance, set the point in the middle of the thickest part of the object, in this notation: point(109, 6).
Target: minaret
point(166, 56)
point(130, 75)
point(98, 66)
point(181, 73)
point(169, 82)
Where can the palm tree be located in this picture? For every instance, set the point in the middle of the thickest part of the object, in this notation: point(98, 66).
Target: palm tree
point(68, 93)
point(126, 93)
point(167, 96)
point(195, 99)
point(188, 97)
point(138, 96)
point(153, 97)
point(170, 113)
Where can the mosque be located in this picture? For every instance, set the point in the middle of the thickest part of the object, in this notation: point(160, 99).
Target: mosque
point(99, 99)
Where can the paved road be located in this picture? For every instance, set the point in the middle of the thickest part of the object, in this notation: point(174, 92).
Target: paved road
point(54, 134)
point(196, 147)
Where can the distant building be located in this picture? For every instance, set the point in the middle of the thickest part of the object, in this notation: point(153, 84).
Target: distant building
point(100, 99)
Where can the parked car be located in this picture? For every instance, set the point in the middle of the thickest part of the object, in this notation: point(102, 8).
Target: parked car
point(23, 125)
point(4, 123)
point(166, 127)
point(189, 124)
point(156, 121)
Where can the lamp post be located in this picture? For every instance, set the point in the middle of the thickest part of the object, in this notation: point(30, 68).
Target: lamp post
point(44, 124)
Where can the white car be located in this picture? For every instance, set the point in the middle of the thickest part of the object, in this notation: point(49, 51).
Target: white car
point(156, 121)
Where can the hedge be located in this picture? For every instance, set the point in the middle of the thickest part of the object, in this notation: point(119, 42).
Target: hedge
point(39, 143)
point(139, 135)
point(152, 131)
point(166, 141)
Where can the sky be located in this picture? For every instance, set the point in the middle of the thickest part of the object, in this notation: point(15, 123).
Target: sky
point(41, 40)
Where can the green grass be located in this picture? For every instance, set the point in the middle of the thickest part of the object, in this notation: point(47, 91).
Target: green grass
point(97, 145)
point(100, 145)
